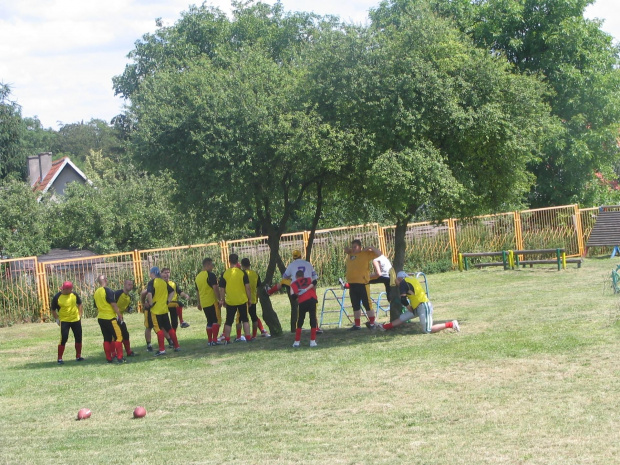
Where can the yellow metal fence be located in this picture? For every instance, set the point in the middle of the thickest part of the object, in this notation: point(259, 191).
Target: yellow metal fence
point(27, 285)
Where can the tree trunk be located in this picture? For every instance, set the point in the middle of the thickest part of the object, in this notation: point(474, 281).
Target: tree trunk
point(315, 220)
point(269, 314)
point(399, 265)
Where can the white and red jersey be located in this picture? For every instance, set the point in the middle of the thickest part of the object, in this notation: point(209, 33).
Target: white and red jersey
point(297, 265)
point(301, 284)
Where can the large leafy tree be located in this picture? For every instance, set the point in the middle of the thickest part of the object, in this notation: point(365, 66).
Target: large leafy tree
point(221, 103)
point(579, 62)
point(12, 153)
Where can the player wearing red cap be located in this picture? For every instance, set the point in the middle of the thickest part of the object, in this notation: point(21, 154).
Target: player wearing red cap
point(67, 311)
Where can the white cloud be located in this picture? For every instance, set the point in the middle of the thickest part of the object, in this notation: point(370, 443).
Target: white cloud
point(59, 56)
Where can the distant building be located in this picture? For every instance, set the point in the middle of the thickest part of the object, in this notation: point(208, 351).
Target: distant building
point(45, 175)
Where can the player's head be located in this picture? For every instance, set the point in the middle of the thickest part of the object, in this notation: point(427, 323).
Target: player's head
point(66, 288)
point(400, 276)
point(299, 274)
point(128, 286)
point(245, 263)
point(233, 259)
point(207, 264)
point(155, 273)
point(102, 280)
point(165, 274)
point(296, 254)
point(356, 245)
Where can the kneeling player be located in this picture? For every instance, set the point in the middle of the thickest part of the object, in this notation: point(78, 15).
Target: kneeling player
point(413, 297)
point(306, 296)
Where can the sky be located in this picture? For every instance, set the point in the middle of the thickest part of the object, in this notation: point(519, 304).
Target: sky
point(59, 56)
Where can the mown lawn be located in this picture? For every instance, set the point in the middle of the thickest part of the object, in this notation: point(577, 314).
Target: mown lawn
point(532, 378)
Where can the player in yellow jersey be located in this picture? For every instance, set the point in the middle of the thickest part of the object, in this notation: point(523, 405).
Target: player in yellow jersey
point(175, 307)
point(255, 281)
point(123, 301)
point(158, 295)
point(235, 294)
point(358, 278)
point(208, 299)
point(109, 318)
point(67, 310)
point(414, 299)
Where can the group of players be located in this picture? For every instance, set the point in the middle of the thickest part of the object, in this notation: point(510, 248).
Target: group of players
point(237, 291)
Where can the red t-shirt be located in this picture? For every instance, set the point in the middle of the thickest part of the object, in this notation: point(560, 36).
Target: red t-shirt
point(303, 283)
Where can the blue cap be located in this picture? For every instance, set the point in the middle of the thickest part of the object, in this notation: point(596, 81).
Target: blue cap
point(402, 274)
point(155, 271)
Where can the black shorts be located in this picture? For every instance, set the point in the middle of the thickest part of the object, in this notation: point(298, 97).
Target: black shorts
point(231, 311)
point(75, 326)
point(211, 315)
point(360, 294)
point(111, 330)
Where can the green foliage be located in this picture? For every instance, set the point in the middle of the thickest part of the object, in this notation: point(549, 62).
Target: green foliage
point(22, 232)
point(12, 153)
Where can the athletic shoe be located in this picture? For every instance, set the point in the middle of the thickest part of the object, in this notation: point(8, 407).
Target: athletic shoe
point(265, 334)
point(170, 344)
point(160, 352)
point(79, 359)
point(319, 331)
point(296, 344)
point(221, 338)
point(355, 328)
point(225, 342)
point(380, 327)
point(60, 362)
point(132, 354)
point(177, 349)
point(185, 324)
point(455, 326)
point(370, 325)
point(241, 339)
point(313, 344)
point(121, 360)
point(149, 348)
point(110, 361)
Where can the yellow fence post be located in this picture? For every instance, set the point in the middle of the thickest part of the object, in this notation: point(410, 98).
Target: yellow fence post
point(518, 231)
point(224, 253)
point(452, 238)
point(382, 243)
point(579, 228)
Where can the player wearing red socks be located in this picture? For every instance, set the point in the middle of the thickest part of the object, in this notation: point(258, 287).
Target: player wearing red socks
point(414, 299)
point(235, 293)
point(304, 288)
point(208, 295)
point(175, 307)
point(67, 311)
point(358, 277)
point(123, 301)
point(109, 318)
point(254, 278)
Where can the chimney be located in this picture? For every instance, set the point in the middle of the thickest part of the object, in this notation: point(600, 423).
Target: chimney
point(33, 169)
point(45, 163)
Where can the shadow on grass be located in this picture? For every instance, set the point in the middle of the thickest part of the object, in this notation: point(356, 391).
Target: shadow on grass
point(193, 347)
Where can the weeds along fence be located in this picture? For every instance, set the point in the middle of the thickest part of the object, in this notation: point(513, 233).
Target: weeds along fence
point(28, 285)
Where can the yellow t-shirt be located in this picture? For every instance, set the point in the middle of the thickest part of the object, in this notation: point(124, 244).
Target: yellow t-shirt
point(205, 281)
point(174, 303)
point(122, 300)
point(234, 280)
point(414, 290)
point(159, 289)
point(67, 306)
point(253, 277)
point(104, 298)
point(358, 267)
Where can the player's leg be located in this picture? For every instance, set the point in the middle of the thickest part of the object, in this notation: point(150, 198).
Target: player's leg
point(184, 324)
point(211, 321)
point(108, 336)
point(427, 314)
point(215, 329)
point(64, 337)
point(355, 294)
point(148, 326)
point(367, 303)
point(164, 323)
point(245, 321)
point(313, 323)
point(159, 332)
point(76, 327)
point(126, 343)
point(302, 309)
point(174, 317)
point(238, 328)
point(231, 312)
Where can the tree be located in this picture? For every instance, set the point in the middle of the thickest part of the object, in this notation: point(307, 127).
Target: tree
point(230, 111)
point(12, 154)
point(22, 233)
point(579, 63)
point(78, 139)
point(36, 138)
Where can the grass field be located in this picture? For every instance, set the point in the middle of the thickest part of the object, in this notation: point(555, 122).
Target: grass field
point(532, 378)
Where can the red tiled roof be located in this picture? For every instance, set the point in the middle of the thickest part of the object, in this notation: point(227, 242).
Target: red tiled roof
point(56, 165)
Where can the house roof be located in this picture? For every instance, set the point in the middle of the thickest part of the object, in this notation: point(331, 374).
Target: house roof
point(57, 167)
point(65, 254)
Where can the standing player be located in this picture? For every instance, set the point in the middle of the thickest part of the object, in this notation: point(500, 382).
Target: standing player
point(304, 288)
point(158, 295)
point(123, 301)
point(208, 299)
point(291, 270)
point(414, 298)
point(67, 310)
point(175, 307)
point(358, 277)
point(254, 283)
point(109, 318)
point(381, 273)
point(235, 293)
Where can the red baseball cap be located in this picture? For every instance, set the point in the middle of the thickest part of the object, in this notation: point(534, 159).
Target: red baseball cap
point(67, 285)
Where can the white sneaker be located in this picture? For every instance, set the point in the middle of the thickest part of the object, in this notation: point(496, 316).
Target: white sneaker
point(379, 326)
point(221, 338)
point(455, 326)
point(241, 339)
point(296, 344)
point(313, 344)
point(265, 334)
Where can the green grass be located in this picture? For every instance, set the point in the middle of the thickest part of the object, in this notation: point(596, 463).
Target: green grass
point(531, 379)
